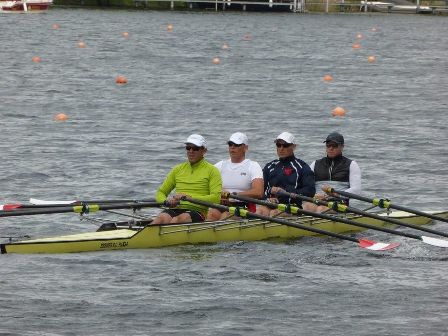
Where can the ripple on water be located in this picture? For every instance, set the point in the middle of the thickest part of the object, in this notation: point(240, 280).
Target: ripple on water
point(120, 141)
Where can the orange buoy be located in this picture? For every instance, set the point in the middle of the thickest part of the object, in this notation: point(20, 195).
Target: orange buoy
point(56, 26)
point(81, 44)
point(125, 34)
point(60, 117)
point(371, 59)
point(356, 46)
point(216, 60)
point(121, 80)
point(169, 27)
point(225, 46)
point(36, 59)
point(328, 78)
point(359, 36)
point(338, 112)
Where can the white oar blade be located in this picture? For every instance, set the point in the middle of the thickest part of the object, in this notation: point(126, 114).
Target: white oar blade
point(36, 201)
point(376, 246)
point(435, 241)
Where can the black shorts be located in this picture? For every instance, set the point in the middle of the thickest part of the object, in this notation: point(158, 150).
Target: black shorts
point(196, 216)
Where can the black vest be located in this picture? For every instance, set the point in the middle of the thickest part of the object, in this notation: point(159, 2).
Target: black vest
point(337, 169)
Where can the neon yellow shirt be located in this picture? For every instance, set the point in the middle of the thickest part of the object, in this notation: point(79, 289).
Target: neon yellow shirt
point(201, 180)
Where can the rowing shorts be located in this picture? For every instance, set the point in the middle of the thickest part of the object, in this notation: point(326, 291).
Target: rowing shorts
point(196, 216)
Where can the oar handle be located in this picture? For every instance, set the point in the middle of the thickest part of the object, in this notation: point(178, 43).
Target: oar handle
point(334, 205)
point(301, 197)
point(331, 190)
point(385, 203)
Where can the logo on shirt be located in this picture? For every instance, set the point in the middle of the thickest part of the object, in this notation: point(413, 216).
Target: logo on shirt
point(243, 174)
point(288, 171)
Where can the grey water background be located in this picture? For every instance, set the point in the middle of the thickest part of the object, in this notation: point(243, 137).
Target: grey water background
point(120, 141)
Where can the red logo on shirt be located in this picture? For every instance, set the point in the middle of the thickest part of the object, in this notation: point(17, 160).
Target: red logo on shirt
point(288, 171)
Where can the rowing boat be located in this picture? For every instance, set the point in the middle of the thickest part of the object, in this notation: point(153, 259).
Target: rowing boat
point(122, 235)
point(20, 6)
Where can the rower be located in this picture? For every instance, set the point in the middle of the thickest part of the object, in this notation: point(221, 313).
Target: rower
point(334, 170)
point(287, 173)
point(196, 178)
point(239, 175)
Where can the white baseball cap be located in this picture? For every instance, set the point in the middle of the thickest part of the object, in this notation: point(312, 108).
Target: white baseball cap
point(286, 137)
point(239, 138)
point(197, 140)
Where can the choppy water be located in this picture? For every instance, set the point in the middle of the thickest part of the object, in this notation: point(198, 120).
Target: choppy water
point(120, 141)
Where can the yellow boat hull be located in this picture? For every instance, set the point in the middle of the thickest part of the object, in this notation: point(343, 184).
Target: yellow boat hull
point(155, 236)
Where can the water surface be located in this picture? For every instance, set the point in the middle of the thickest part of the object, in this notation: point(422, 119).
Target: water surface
point(120, 141)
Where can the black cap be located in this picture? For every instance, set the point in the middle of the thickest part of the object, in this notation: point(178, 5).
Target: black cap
point(335, 137)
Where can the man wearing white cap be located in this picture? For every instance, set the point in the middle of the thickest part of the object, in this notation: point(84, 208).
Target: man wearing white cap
point(239, 175)
point(195, 178)
point(336, 171)
point(286, 173)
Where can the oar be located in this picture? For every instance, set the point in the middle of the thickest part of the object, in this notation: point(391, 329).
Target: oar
point(81, 209)
point(385, 203)
point(344, 208)
point(39, 204)
point(9, 207)
point(35, 201)
point(295, 210)
point(363, 243)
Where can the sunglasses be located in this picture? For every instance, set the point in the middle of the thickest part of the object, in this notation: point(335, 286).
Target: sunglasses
point(232, 144)
point(284, 145)
point(332, 145)
point(194, 148)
